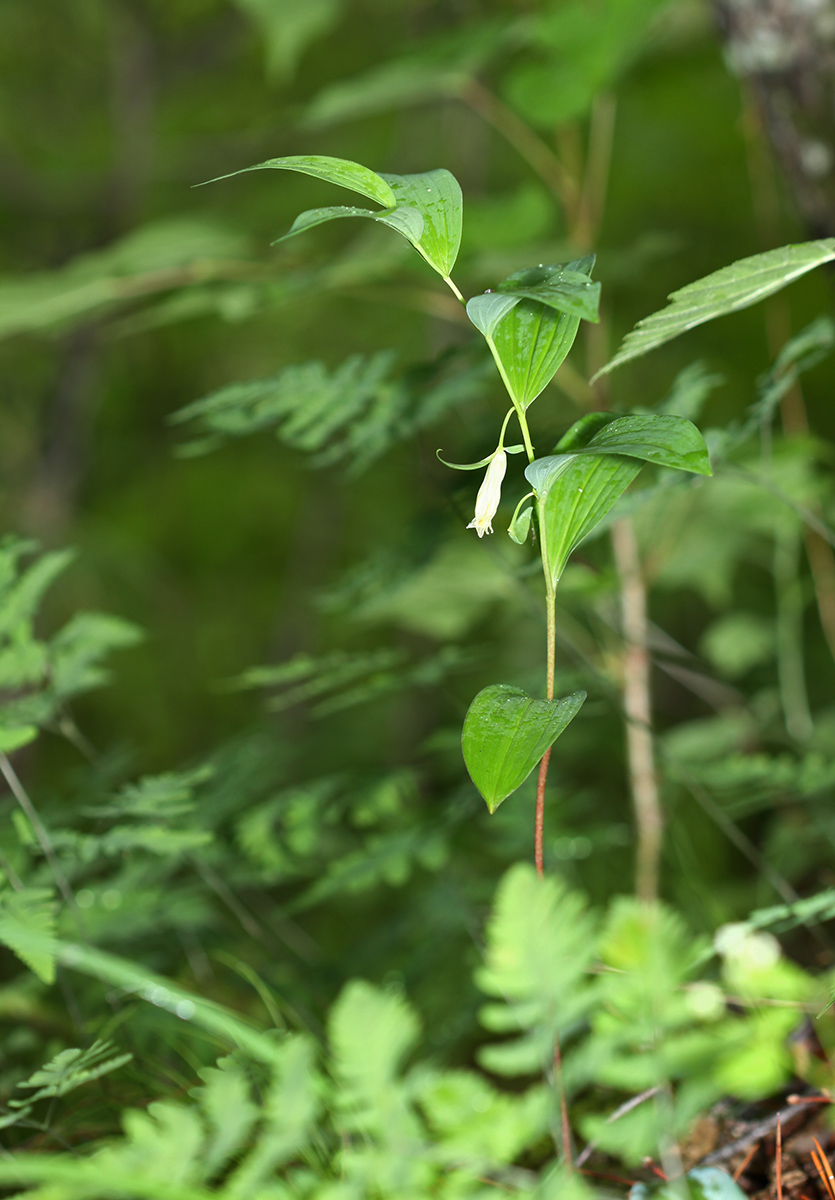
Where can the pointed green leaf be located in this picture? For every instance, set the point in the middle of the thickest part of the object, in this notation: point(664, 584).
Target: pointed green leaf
point(436, 196)
point(405, 220)
point(520, 526)
point(474, 466)
point(741, 284)
point(506, 733)
point(562, 287)
point(667, 441)
point(531, 343)
point(594, 466)
point(579, 494)
point(340, 171)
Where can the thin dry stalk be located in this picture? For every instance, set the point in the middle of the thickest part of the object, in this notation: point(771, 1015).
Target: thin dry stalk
point(824, 1170)
point(740, 1169)
point(638, 710)
point(779, 1162)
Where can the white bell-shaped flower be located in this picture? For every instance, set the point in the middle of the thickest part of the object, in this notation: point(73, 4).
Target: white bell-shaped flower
point(489, 494)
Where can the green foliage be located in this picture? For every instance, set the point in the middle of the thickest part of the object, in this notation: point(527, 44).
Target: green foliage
point(39, 677)
point(69, 1070)
point(743, 283)
point(267, 860)
point(531, 321)
point(425, 208)
point(27, 926)
point(351, 416)
point(506, 733)
point(361, 1114)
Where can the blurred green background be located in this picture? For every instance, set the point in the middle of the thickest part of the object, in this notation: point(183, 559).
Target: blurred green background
point(127, 293)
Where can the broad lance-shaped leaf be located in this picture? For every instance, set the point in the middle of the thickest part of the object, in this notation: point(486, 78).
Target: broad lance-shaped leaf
point(530, 324)
point(738, 286)
point(426, 208)
point(578, 500)
point(506, 733)
point(341, 171)
point(594, 465)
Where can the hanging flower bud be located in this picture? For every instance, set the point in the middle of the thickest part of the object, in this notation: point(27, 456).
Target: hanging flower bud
point(489, 494)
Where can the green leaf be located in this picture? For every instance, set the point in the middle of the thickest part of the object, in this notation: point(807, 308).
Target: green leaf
point(566, 288)
point(426, 208)
point(341, 171)
point(405, 220)
point(530, 324)
point(288, 28)
point(485, 311)
point(577, 500)
point(70, 1069)
point(520, 525)
point(164, 994)
point(575, 493)
point(226, 1102)
point(389, 85)
point(531, 343)
point(541, 941)
point(15, 737)
point(738, 286)
point(27, 927)
point(667, 441)
point(506, 733)
point(370, 1033)
point(436, 196)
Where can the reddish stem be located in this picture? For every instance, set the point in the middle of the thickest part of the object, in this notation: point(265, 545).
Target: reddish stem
point(539, 819)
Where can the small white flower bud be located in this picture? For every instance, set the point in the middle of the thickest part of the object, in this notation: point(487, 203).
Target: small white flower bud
point(489, 495)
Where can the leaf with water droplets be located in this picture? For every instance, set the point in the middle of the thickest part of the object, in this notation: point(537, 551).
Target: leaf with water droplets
point(405, 220)
point(566, 287)
point(436, 195)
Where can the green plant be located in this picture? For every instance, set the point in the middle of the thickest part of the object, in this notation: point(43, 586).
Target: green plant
point(589, 1006)
point(529, 322)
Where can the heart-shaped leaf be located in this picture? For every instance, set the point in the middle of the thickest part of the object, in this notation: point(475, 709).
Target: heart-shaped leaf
point(436, 195)
point(506, 733)
point(741, 284)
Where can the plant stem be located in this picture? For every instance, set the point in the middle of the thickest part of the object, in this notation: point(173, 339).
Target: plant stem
point(565, 1124)
point(455, 289)
point(638, 711)
point(45, 842)
point(551, 639)
point(520, 412)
